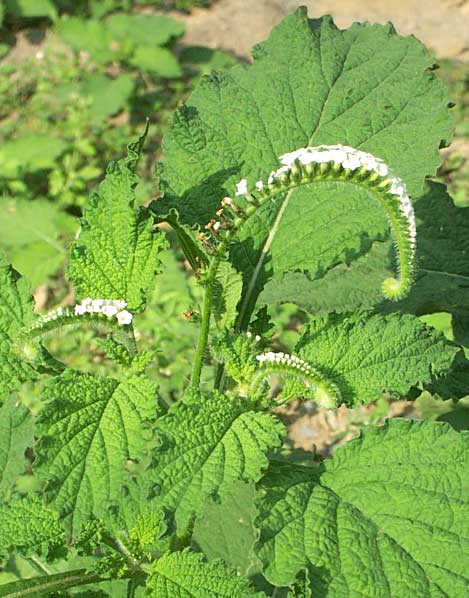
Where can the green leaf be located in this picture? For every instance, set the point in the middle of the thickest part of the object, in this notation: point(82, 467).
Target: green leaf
point(32, 233)
point(159, 61)
point(31, 8)
point(310, 84)
point(16, 311)
point(90, 427)
point(385, 517)
point(16, 435)
point(88, 35)
point(145, 30)
point(186, 575)
point(365, 355)
point(116, 255)
point(226, 530)
point(227, 289)
point(208, 442)
point(29, 153)
point(107, 96)
point(29, 527)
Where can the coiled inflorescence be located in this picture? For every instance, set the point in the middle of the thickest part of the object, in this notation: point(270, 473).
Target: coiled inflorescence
point(326, 393)
point(110, 313)
point(329, 162)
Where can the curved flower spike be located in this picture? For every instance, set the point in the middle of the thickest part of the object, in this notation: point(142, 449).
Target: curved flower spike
point(342, 163)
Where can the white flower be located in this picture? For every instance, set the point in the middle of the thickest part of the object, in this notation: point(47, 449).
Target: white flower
point(109, 310)
point(124, 317)
point(259, 185)
point(382, 169)
point(80, 310)
point(242, 187)
point(96, 306)
point(352, 162)
point(87, 302)
point(120, 304)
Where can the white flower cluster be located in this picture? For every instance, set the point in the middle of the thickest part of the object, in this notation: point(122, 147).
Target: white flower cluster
point(353, 159)
point(108, 307)
point(286, 359)
point(52, 315)
point(347, 157)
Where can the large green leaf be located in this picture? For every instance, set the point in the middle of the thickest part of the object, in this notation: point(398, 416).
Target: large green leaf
point(310, 83)
point(116, 254)
point(16, 435)
point(16, 311)
point(90, 427)
point(186, 575)
point(386, 517)
point(29, 527)
point(208, 443)
point(365, 355)
point(226, 530)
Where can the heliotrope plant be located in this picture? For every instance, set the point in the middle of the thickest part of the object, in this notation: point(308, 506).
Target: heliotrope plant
point(286, 180)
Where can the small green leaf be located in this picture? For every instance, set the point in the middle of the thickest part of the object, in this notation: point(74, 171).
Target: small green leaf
point(29, 153)
point(366, 355)
point(385, 517)
point(16, 435)
point(227, 289)
point(206, 444)
point(29, 527)
point(116, 254)
point(16, 311)
point(31, 8)
point(146, 30)
point(107, 96)
point(90, 427)
point(89, 35)
point(159, 61)
point(186, 575)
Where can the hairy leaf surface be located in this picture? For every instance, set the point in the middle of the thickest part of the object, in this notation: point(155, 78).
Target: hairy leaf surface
point(186, 575)
point(385, 517)
point(116, 254)
point(90, 427)
point(206, 444)
point(29, 527)
point(16, 311)
point(366, 355)
point(16, 435)
point(310, 84)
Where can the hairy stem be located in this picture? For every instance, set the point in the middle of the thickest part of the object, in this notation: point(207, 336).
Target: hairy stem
point(205, 320)
point(45, 585)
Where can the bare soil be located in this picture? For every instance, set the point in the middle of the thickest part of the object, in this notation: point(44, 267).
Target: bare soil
point(236, 25)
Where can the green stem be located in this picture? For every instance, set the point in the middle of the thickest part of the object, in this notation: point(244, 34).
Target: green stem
point(117, 545)
point(44, 585)
point(38, 565)
point(205, 317)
